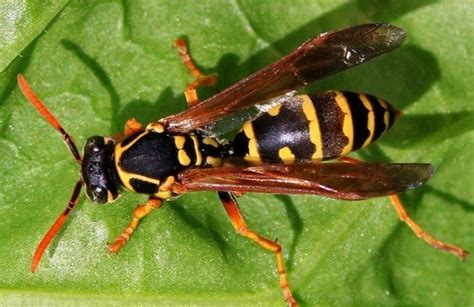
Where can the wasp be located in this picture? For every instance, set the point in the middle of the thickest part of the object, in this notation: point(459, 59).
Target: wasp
point(281, 147)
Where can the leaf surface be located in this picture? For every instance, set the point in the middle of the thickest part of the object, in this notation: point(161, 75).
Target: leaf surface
point(96, 64)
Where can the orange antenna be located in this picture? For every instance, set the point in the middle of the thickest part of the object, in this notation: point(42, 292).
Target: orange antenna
point(56, 226)
point(31, 96)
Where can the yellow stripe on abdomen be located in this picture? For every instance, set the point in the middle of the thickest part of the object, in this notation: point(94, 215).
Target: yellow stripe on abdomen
point(347, 125)
point(253, 152)
point(370, 118)
point(314, 130)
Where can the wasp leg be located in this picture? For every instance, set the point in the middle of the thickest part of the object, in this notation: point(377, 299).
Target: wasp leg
point(206, 80)
point(419, 232)
point(238, 194)
point(140, 212)
point(131, 127)
point(233, 211)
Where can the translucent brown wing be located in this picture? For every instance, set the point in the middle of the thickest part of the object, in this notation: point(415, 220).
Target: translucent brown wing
point(334, 180)
point(317, 58)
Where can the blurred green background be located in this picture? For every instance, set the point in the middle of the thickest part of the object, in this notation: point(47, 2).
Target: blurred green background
point(97, 63)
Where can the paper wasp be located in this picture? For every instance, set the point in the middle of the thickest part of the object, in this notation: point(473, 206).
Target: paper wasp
point(279, 150)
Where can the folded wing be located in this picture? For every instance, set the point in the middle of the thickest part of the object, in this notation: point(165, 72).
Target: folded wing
point(317, 58)
point(334, 180)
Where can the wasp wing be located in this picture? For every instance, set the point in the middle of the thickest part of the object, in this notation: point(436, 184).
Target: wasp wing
point(334, 180)
point(317, 58)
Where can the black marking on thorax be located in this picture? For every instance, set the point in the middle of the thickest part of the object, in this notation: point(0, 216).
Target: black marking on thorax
point(141, 186)
point(153, 155)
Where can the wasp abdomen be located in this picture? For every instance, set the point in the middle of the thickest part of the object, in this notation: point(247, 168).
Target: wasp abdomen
point(318, 126)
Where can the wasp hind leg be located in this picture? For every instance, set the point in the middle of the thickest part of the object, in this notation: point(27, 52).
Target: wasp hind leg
point(207, 80)
point(419, 232)
point(233, 211)
point(139, 213)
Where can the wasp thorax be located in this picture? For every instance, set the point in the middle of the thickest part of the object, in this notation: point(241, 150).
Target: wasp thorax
point(97, 169)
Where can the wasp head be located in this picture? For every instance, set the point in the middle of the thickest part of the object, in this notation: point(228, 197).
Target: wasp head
point(98, 170)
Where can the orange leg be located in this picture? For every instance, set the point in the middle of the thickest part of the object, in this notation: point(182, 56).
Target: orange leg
point(233, 211)
point(140, 212)
point(206, 80)
point(419, 232)
point(131, 126)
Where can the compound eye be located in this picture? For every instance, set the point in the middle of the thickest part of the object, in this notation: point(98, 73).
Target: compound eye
point(98, 194)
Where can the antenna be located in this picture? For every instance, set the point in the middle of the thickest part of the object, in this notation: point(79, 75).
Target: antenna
point(56, 226)
point(36, 102)
point(31, 96)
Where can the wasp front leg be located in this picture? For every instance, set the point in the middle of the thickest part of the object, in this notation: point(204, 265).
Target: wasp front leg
point(233, 211)
point(207, 80)
point(139, 213)
point(131, 127)
point(419, 232)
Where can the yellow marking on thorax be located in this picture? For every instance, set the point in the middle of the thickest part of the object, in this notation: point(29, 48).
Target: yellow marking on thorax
point(274, 111)
point(125, 177)
point(370, 118)
point(347, 125)
point(210, 142)
point(314, 130)
point(156, 127)
point(196, 150)
point(286, 155)
point(183, 158)
point(118, 151)
point(179, 141)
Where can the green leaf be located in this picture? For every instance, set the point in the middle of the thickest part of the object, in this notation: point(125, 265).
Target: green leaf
point(21, 22)
point(98, 63)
